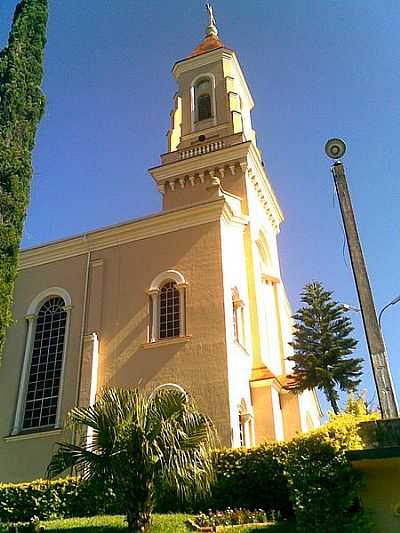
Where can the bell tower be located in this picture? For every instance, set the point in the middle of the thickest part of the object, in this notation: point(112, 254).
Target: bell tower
point(211, 113)
point(213, 96)
point(213, 159)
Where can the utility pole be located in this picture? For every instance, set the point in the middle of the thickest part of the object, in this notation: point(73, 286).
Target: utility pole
point(335, 149)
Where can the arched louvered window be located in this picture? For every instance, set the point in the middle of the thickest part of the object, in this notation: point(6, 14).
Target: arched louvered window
point(43, 384)
point(203, 99)
point(169, 310)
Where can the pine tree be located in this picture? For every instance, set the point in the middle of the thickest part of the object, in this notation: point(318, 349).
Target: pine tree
point(322, 346)
point(21, 107)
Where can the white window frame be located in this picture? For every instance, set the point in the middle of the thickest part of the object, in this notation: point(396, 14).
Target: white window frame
point(193, 109)
point(238, 318)
point(154, 293)
point(31, 316)
point(245, 425)
point(172, 386)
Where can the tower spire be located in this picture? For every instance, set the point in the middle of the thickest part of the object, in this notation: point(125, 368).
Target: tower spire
point(211, 40)
point(212, 24)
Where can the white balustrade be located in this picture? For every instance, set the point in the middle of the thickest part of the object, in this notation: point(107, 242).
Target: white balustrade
point(202, 149)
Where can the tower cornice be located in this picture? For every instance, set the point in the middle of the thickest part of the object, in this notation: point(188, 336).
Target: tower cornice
point(177, 175)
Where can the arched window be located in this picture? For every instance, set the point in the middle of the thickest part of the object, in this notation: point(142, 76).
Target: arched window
point(172, 386)
point(203, 99)
point(169, 310)
point(42, 372)
point(46, 365)
point(245, 423)
point(167, 306)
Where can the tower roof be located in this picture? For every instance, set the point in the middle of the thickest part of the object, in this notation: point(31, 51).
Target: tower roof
point(211, 40)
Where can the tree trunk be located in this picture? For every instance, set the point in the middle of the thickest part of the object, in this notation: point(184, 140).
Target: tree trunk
point(330, 394)
point(140, 505)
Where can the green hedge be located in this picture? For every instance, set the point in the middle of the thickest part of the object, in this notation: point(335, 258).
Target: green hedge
point(64, 498)
point(252, 479)
point(308, 476)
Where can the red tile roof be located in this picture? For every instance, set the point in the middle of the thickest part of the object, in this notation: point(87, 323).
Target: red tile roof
point(207, 44)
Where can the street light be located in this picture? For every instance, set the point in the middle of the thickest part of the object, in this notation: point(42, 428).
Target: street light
point(393, 302)
point(335, 149)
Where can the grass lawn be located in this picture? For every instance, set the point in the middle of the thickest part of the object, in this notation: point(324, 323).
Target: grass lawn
point(174, 523)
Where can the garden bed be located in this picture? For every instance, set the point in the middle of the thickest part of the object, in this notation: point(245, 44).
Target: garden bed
point(232, 519)
point(254, 525)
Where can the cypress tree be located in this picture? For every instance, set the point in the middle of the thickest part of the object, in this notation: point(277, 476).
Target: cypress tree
point(21, 107)
point(322, 346)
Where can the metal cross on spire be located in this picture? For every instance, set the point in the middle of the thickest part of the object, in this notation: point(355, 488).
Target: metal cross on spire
point(212, 24)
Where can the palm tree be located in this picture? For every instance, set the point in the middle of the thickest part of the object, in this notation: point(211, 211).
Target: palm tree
point(138, 441)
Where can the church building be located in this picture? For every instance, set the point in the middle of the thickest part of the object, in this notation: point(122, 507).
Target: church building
point(191, 297)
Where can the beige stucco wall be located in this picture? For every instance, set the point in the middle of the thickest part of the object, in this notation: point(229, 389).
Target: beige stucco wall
point(264, 421)
point(197, 363)
point(291, 414)
point(24, 459)
point(118, 311)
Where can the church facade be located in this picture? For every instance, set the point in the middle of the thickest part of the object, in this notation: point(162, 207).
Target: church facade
point(191, 297)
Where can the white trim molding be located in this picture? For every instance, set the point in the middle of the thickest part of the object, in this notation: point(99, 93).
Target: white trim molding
point(131, 231)
point(172, 386)
point(34, 435)
point(173, 275)
point(45, 295)
point(154, 293)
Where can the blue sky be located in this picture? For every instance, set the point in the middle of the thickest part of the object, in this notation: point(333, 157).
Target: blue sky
point(316, 68)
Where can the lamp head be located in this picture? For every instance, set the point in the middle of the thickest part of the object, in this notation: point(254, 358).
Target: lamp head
point(335, 148)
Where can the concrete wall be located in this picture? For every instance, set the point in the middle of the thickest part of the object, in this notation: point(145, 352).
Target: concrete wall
point(380, 493)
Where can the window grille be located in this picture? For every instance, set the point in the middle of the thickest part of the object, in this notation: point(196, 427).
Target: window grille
point(46, 364)
point(169, 311)
point(203, 99)
point(204, 106)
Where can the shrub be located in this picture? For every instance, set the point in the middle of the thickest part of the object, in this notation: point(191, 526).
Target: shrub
point(251, 478)
point(33, 526)
point(323, 486)
point(66, 497)
point(308, 476)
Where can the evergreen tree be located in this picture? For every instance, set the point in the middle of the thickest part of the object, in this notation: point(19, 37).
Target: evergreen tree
point(21, 107)
point(322, 346)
